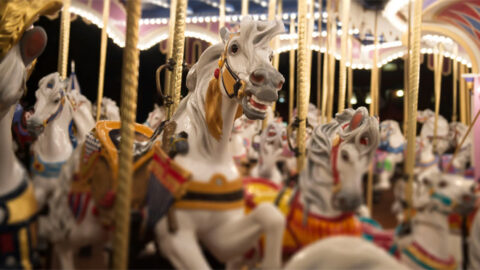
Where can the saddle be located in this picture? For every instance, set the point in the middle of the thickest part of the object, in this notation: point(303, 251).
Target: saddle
point(97, 173)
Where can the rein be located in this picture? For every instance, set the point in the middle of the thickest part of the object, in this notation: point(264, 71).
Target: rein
point(57, 112)
point(233, 85)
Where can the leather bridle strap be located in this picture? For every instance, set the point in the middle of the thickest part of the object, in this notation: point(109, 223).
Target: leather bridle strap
point(231, 82)
point(57, 112)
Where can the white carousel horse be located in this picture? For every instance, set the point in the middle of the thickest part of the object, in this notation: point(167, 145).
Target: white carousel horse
point(427, 118)
point(330, 187)
point(52, 124)
point(18, 206)
point(244, 79)
point(389, 153)
point(429, 246)
point(343, 252)
point(457, 131)
point(155, 117)
point(273, 148)
point(109, 110)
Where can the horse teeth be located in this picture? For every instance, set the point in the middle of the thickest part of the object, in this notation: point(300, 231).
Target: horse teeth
point(266, 103)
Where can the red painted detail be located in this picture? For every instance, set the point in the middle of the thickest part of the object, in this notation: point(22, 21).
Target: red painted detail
point(216, 73)
point(6, 243)
point(356, 120)
point(108, 199)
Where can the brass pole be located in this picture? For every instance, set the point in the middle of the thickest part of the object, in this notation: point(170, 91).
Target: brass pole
point(244, 8)
point(343, 60)
point(178, 50)
point(272, 7)
point(221, 19)
point(405, 94)
point(438, 67)
point(291, 72)
point(374, 73)
point(350, 73)
point(319, 62)
point(302, 102)
point(128, 113)
point(325, 77)
point(276, 56)
point(455, 84)
point(103, 57)
point(310, 23)
point(171, 32)
point(468, 97)
point(64, 39)
point(414, 78)
point(332, 63)
point(463, 112)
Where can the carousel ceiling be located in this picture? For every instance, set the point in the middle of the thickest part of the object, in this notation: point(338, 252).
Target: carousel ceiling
point(203, 16)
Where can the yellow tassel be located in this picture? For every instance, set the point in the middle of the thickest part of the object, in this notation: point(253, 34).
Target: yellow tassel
point(213, 109)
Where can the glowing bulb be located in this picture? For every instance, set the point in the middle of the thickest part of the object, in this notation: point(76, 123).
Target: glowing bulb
point(368, 99)
point(353, 100)
point(399, 93)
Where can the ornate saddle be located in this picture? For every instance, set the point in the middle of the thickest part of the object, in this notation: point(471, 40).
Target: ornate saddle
point(97, 173)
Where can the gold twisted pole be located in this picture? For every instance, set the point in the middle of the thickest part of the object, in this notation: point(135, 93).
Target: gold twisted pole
point(332, 61)
point(168, 74)
point(350, 73)
point(64, 39)
point(221, 17)
point(291, 72)
point(325, 76)
point(310, 24)
point(319, 60)
point(103, 56)
point(343, 60)
point(128, 113)
point(302, 73)
point(244, 8)
point(463, 93)
point(276, 56)
point(374, 73)
point(455, 84)
point(178, 50)
point(438, 67)
point(414, 78)
point(405, 94)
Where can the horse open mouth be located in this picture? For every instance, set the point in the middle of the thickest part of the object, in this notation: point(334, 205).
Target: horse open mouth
point(255, 108)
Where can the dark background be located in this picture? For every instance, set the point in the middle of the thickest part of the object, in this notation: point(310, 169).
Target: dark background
point(85, 51)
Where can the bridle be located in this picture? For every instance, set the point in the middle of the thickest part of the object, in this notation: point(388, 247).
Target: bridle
point(233, 85)
point(57, 111)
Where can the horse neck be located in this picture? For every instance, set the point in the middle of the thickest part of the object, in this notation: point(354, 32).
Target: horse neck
point(326, 210)
point(430, 231)
point(54, 143)
point(11, 172)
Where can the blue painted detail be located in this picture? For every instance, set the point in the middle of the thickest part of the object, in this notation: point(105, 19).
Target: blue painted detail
point(385, 146)
point(45, 169)
point(71, 134)
point(446, 201)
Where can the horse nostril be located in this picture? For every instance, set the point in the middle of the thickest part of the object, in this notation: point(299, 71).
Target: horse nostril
point(280, 85)
point(257, 78)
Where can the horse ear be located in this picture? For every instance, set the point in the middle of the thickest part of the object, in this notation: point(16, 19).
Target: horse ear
point(224, 34)
point(32, 44)
point(356, 120)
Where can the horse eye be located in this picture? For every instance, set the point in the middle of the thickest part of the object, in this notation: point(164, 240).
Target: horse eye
point(234, 48)
point(270, 57)
point(57, 100)
point(443, 184)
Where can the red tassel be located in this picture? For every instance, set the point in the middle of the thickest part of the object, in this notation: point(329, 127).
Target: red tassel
point(216, 73)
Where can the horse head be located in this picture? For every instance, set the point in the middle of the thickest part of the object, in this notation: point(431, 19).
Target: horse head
point(51, 99)
point(273, 141)
point(245, 67)
point(155, 117)
point(338, 156)
point(423, 116)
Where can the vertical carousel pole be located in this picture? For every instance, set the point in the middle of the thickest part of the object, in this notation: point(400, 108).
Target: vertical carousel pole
point(455, 84)
point(64, 39)
point(291, 72)
point(462, 101)
point(468, 97)
point(221, 19)
point(373, 110)
point(332, 63)
point(374, 73)
point(103, 56)
point(438, 67)
point(272, 7)
point(168, 74)
point(310, 24)
point(325, 76)
point(128, 113)
point(319, 62)
point(302, 72)
point(276, 42)
point(405, 94)
point(177, 53)
point(244, 8)
point(414, 78)
point(343, 60)
point(350, 73)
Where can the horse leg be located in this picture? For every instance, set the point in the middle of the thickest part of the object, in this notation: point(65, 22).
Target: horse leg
point(236, 236)
point(65, 256)
point(180, 247)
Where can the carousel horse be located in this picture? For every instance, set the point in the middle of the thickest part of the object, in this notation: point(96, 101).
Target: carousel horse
point(429, 245)
point(389, 153)
point(109, 110)
point(156, 117)
point(53, 125)
point(20, 45)
point(231, 77)
point(273, 148)
point(330, 186)
point(427, 118)
point(462, 161)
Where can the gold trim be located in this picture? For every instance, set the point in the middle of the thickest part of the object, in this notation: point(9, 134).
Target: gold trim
point(213, 109)
point(24, 248)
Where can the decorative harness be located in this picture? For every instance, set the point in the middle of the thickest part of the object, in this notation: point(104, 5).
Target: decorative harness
point(427, 261)
point(45, 169)
point(58, 111)
point(17, 227)
point(233, 85)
